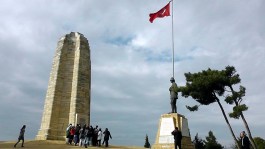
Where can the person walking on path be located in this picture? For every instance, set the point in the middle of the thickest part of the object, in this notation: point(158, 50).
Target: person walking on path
point(177, 137)
point(107, 135)
point(21, 136)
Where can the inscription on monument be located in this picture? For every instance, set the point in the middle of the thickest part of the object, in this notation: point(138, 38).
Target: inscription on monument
point(167, 126)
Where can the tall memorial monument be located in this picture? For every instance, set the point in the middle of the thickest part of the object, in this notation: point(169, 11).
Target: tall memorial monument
point(168, 122)
point(68, 94)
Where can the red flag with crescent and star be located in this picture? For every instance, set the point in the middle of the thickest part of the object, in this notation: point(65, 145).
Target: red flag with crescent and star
point(165, 11)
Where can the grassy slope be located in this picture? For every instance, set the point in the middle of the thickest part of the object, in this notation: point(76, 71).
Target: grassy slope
point(55, 145)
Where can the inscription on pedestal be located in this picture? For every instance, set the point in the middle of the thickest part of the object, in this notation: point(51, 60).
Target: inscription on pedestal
point(167, 126)
point(167, 123)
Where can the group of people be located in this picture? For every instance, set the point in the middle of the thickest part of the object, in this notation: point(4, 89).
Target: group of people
point(87, 136)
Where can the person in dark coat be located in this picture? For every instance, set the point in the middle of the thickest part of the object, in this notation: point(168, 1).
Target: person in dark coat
point(82, 135)
point(90, 135)
point(68, 133)
point(177, 137)
point(77, 133)
point(95, 136)
point(21, 136)
point(107, 135)
point(245, 144)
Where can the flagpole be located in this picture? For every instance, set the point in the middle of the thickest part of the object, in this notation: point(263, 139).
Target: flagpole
point(172, 29)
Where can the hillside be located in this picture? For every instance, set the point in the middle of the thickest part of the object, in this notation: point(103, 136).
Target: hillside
point(55, 145)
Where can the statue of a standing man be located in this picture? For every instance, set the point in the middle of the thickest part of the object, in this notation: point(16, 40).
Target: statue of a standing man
point(173, 95)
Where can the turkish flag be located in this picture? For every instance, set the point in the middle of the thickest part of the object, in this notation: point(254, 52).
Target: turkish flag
point(165, 11)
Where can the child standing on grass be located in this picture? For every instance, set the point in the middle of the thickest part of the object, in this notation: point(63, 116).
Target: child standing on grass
point(21, 136)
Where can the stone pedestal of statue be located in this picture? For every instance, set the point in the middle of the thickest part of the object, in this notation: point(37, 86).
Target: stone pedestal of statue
point(167, 123)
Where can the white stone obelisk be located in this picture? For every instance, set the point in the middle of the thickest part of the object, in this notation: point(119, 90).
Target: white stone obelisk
point(68, 94)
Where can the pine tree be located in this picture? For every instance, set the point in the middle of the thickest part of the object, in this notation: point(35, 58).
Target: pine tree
point(211, 142)
point(260, 142)
point(232, 79)
point(147, 144)
point(206, 88)
point(198, 142)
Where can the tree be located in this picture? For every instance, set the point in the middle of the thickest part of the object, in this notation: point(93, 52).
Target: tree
point(259, 142)
point(198, 142)
point(205, 87)
point(211, 142)
point(147, 144)
point(236, 98)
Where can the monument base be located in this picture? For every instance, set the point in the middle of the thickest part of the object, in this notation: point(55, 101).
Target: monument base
point(167, 123)
point(48, 134)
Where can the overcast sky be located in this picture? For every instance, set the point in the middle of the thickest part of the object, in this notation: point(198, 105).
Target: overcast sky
point(131, 61)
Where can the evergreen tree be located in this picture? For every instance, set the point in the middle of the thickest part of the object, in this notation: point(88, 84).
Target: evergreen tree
point(236, 98)
point(211, 142)
point(206, 87)
point(198, 142)
point(147, 144)
point(259, 142)
point(209, 84)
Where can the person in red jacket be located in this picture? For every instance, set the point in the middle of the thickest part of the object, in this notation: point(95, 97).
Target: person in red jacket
point(72, 133)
